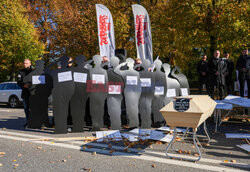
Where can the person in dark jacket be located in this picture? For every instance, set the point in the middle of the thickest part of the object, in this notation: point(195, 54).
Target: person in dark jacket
point(230, 69)
point(25, 91)
point(243, 70)
point(217, 70)
point(202, 70)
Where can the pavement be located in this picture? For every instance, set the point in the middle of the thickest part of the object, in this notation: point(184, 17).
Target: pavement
point(22, 150)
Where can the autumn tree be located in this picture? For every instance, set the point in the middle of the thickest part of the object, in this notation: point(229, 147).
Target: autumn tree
point(18, 38)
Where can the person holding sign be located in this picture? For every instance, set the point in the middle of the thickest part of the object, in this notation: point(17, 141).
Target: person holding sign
point(25, 86)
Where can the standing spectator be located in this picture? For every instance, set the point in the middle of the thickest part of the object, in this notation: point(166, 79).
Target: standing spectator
point(230, 69)
point(202, 70)
point(137, 62)
point(25, 91)
point(242, 69)
point(217, 69)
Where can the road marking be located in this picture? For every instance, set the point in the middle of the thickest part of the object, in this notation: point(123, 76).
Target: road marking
point(127, 155)
point(141, 156)
point(206, 160)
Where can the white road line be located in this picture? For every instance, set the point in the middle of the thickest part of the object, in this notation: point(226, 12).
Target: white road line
point(127, 155)
point(206, 160)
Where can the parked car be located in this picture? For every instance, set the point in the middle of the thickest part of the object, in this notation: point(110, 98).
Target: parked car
point(10, 93)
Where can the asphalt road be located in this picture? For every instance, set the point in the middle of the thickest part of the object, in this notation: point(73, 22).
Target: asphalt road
point(22, 151)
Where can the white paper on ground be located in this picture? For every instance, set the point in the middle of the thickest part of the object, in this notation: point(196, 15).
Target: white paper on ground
point(80, 77)
point(38, 79)
point(171, 93)
point(145, 82)
point(245, 147)
point(159, 90)
point(184, 91)
point(151, 134)
point(179, 130)
point(131, 137)
point(132, 80)
point(238, 135)
point(160, 136)
point(223, 105)
point(114, 134)
point(98, 79)
point(64, 76)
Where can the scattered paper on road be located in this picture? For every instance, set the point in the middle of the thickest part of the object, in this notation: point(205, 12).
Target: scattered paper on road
point(113, 134)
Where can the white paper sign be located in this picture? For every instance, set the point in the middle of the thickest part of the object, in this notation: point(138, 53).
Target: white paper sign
point(184, 91)
point(145, 82)
point(38, 79)
point(114, 89)
point(171, 93)
point(131, 80)
point(113, 134)
point(64, 76)
point(98, 79)
point(80, 77)
point(159, 90)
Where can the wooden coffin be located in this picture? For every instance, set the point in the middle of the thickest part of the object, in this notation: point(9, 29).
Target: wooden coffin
point(200, 108)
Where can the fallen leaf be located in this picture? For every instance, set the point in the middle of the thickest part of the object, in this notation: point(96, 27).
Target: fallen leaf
point(233, 161)
point(1, 165)
point(87, 169)
point(16, 165)
point(150, 146)
point(153, 165)
point(2, 153)
point(226, 161)
point(14, 160)
point(39, 147)
point(196, 154)
point(179, 151)
point(19, 155)
point(111, 151)
point(64, 160)
point(93, 153)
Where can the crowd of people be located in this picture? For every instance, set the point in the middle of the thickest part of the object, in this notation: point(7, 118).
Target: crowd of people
point(218, 73)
